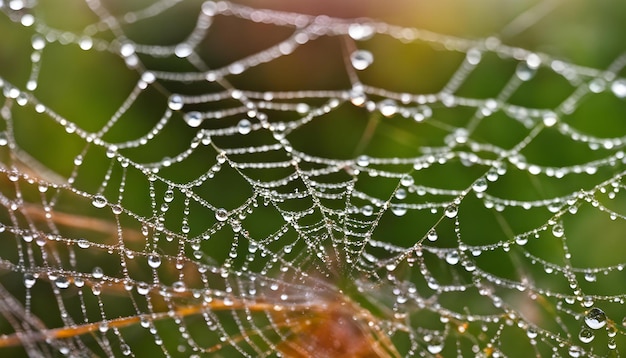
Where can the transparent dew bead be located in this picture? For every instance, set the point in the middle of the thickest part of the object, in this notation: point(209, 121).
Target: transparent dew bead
point(558, 231)
point(193, 118)
point(178, 286)
point(451, 211)
point(97, 272)
point(388, 107)
point(361, 59)
point(221, 214)
point(29, 280)
point(595, 318)
point(99, 201)
point(244, 126)
point(62, 282)
point(432, 235)
point(586, 336)
point(575, 351)
point(452, 258)
point(175, 102)
point(480, 185)
point(360, 32)
point(618, 88)
point(363, 160)
point(154, 261)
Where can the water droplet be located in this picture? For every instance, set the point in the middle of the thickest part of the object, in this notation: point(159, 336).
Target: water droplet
point(183, 50)
point(193, 118)
point(586, 336)
point(103, 326)
point(168, 196)
point(549, 119)
point(82, 243)
point(432, 235)
point(367, 210)
point(38, 42)
point(590, 277)
point(99, 201)
point(361, 59)
point(363, 160)
point(97, 272)
point(595, 318)
point(244, 126)
point(524, 72)
point(480, 185)
point(451, 211)
point(531, 333)
point(175, 102)
point(407, 180)
point(452, 258)
point(360, 32)
point(154, 261)
point(29, 280)
point(221, 214)
point(125, 348)
point(62, 282)
point(618, 88)
point(400, 194)
point(575, 351)
point(4, 140)
point(178, 286)
point(388, 107)
point(558, 230)
point(435, 347)
point(143, 288)
point(117, 209)
point(473, 56)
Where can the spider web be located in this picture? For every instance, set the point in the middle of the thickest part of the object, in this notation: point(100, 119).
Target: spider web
point(183, 178)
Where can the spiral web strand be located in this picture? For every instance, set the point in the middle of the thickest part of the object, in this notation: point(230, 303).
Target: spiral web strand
point(258, 182)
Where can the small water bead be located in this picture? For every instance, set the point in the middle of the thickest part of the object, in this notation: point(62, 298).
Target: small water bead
point(595, 318)
point(62, 282)
point(99, 201)
point(125, 348)
point(575, 351)
point(221, 214)
point(244, 126)
point(97, 272)
point(361, 59)
point(83, 244)
point(117, 209)
point(432, 235)
point(388, 107)
point(590, 277)
point(400, 194)
point(154, 261)
point(360, 32)
point(407, 180)
point(586, 336)
point(143, 288)
point(183, 50)
point(193, 118)
point(480, 185)
point(451, 211)
point(452, 258)
point(367, 210)
point(175, 102)
point(363, 160)
point(178, 286)
point(618, 88)
point(531, 333)
point(558, 230)
point(524, 72)
point(168, 196)
point(38, 43)
point(29, 280)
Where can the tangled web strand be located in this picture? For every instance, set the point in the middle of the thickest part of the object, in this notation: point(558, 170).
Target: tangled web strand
point(182, 178)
